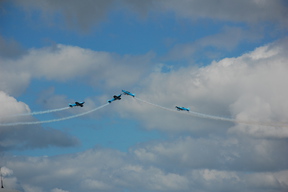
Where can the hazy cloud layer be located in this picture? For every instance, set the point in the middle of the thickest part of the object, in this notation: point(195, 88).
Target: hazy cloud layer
point(34, 137)
point(10, 48)
point(241, 11)
point(179, 165)
point(87, 13)
point(228, 39)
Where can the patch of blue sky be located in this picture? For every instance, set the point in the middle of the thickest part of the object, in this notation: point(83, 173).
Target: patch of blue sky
point(117, 134)
point(124, 33)
point(19, 27)
point(73, 89)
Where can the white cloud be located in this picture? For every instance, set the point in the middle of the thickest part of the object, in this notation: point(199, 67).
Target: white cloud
point(6, 171)
point(13, 82)
point(58, 190)
point(17, 137)
point(233, 154)
point(109, 170)
point(63, 63)
point(29, 188)
point(96, 185)
point(249, 88)
point(10, 106)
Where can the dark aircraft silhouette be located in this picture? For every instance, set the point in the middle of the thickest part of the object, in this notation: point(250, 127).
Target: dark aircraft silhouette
point(182, 109)
point(80, 104)
point(115, 97)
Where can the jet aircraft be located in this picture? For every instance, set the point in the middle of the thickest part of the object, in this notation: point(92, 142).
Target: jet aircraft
point(128, 93)
point(77, 104)
point(182, 109)
point(115, 97)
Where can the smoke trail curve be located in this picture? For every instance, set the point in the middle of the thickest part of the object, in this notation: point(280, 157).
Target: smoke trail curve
point(194, 113)
point(202, 115)
point(54, 120)
point(42, 112)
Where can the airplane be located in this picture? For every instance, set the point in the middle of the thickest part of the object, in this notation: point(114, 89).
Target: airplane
point(128, 93)
point(77, 104)
point(182, 109)
point(115, 97)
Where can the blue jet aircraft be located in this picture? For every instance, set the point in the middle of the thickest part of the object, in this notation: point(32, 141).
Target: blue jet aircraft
point(115, 97)
point(182, 109)
point(128, 93)
point(77, 104)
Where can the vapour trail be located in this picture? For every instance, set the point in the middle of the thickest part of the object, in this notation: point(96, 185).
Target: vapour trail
point(193, 113)
point(42, 112)
point(54, 120)
point(202, 115)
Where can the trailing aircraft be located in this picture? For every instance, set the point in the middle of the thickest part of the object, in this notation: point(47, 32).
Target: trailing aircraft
point(128, 93)
point(77, 104)
point(115, 97)
point(182, 109)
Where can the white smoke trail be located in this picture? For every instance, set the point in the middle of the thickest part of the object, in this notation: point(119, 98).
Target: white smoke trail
point(53, 120)
point(42, 112)
point(202, 115)
point(193, 113)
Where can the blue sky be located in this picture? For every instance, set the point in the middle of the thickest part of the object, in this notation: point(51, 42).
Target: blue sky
point(225, 60)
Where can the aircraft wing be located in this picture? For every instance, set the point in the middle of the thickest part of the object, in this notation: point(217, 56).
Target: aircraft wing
point(128, 93)
point(80, 103)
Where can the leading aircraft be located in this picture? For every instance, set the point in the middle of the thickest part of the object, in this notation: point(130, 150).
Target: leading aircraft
point(128, 93)
point(115, 97)
point(182, 109)
point(77, 104)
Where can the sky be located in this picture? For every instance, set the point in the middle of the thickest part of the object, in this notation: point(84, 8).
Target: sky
point(225, 60)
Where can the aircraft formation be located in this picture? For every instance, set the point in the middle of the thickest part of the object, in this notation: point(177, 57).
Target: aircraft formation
point(118, 97)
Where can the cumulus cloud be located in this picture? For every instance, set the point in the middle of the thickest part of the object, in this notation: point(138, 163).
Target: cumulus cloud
point(13, 81)
point(232, 154)
point(109, 170)
point(10, 106)
point(63, 63)
point(248, 88)
point(20, 137)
